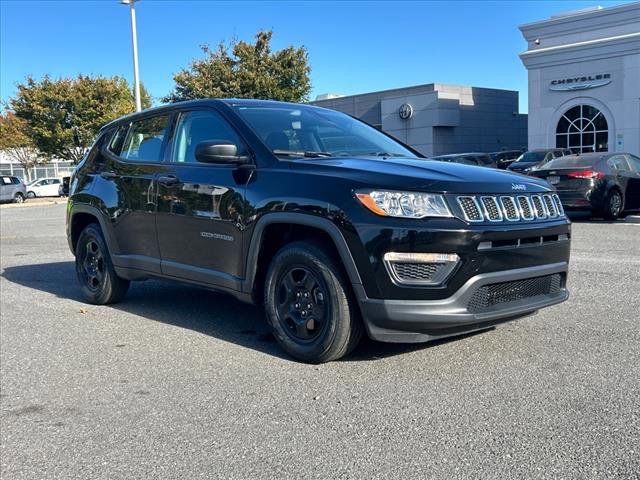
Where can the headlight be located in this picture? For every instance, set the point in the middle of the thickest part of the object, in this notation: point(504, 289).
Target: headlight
point(404, 204)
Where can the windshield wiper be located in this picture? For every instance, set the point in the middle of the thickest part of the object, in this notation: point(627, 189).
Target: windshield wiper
point(383, 154)
point(302, 153)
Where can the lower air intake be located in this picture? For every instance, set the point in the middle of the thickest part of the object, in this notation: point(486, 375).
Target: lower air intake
point(489, 296)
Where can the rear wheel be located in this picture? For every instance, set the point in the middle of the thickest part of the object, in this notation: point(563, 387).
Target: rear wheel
point(98, 279)
point(309, 306)
point(613, 205)
point(18, 198)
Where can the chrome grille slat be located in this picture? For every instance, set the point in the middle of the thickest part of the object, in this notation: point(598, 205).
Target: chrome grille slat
point(491, 209)
point(511, 208)
point(526, 210)
point(558, 203)
point(538, 207)
point(550, 206)
point(470, 208)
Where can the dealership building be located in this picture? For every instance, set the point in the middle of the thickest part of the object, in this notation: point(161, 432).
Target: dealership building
point(437, 119)
point(584, 80)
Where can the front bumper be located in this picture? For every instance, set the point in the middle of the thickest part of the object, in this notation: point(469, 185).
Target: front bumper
point(409, 321)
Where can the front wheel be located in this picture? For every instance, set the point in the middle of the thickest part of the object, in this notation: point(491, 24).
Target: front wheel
point(309, 306)
point(18, 198)
point(98, 279)
point(613, 205)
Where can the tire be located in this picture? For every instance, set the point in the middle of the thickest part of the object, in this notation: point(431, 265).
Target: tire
point(18, 197)
point(31, 195)
point(99, 282)
point(613, 205)
point(305, 272)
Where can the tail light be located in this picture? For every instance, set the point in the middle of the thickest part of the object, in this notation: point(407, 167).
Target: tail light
point(586, 174)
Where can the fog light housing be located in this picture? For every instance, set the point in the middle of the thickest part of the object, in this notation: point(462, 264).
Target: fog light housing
point(424, 269)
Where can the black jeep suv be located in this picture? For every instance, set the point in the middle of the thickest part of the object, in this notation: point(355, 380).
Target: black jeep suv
point(336, 227)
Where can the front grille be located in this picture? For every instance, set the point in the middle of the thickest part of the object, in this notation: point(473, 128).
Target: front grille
point(409, 272)
point(489, 208)
point(489, 296)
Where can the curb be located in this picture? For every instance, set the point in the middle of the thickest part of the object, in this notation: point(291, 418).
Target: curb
point(633, 219)
point(28, 203)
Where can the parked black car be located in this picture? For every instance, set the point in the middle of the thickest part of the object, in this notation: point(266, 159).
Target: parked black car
point(532, 159)
point(473, 158)
point(334, 226)
point(506, 157)
point(605, 184)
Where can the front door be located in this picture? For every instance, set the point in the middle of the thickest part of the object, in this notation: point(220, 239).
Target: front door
point(201, 205)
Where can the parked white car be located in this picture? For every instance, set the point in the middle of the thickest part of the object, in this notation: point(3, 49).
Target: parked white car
point(44, 187)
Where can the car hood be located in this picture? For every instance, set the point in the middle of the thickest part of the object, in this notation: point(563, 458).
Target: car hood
point(420, 174)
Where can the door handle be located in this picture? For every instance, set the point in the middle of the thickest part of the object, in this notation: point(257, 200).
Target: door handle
point(168, 180)
point(108, 175)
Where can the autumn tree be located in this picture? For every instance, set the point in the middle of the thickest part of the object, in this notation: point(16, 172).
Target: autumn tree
point(15, 142)
point(245, 70)
point(63, 116)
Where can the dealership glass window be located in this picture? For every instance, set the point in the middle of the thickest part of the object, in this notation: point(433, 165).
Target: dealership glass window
point(582, 129)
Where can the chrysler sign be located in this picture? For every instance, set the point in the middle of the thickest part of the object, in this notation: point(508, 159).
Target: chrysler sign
point(580, 83)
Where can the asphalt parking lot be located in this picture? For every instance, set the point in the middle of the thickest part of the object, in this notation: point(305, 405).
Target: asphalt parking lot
point(177, 382)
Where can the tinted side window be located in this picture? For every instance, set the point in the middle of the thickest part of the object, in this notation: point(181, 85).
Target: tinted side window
point(619, 163)
point(117, 141)
point(15, 180)
point(634, 162)
point(143, 142)
point(199, 126)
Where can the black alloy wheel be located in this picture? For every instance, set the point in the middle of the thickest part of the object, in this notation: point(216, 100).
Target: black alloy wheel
point(613, 207)
point(98, 279)
point(301, 305)
point(309, 303)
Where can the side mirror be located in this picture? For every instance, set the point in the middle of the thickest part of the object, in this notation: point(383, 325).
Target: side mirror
point(219, 151)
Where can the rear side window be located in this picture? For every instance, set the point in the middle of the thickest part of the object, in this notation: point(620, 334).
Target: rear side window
point(634, 163)
point(117, 141)
point(619, 163)
point(143, 142)
point(6, 181)
point(200, 126)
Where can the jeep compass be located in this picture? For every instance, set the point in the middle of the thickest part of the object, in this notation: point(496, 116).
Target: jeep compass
point(335, 227)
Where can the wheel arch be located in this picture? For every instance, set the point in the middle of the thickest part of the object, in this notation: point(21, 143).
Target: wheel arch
point(82, 215)
point(288, 227)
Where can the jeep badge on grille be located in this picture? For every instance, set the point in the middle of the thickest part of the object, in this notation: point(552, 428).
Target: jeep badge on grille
point(518, 186)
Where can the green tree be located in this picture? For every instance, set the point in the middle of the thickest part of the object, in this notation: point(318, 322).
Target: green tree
point(63, 116)
point(246, 70)
point(15, 142)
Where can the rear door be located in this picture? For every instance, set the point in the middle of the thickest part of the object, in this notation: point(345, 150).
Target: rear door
point(633, 187)
point(201, 205)
point(127, 180)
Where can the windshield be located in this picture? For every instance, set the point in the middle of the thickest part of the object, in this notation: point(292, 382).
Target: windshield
point(531, 157)
point(293, 130)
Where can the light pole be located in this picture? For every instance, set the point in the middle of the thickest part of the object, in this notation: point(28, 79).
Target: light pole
point(134, 41)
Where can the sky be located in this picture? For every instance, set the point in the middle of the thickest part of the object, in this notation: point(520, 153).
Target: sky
point(354, 47)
